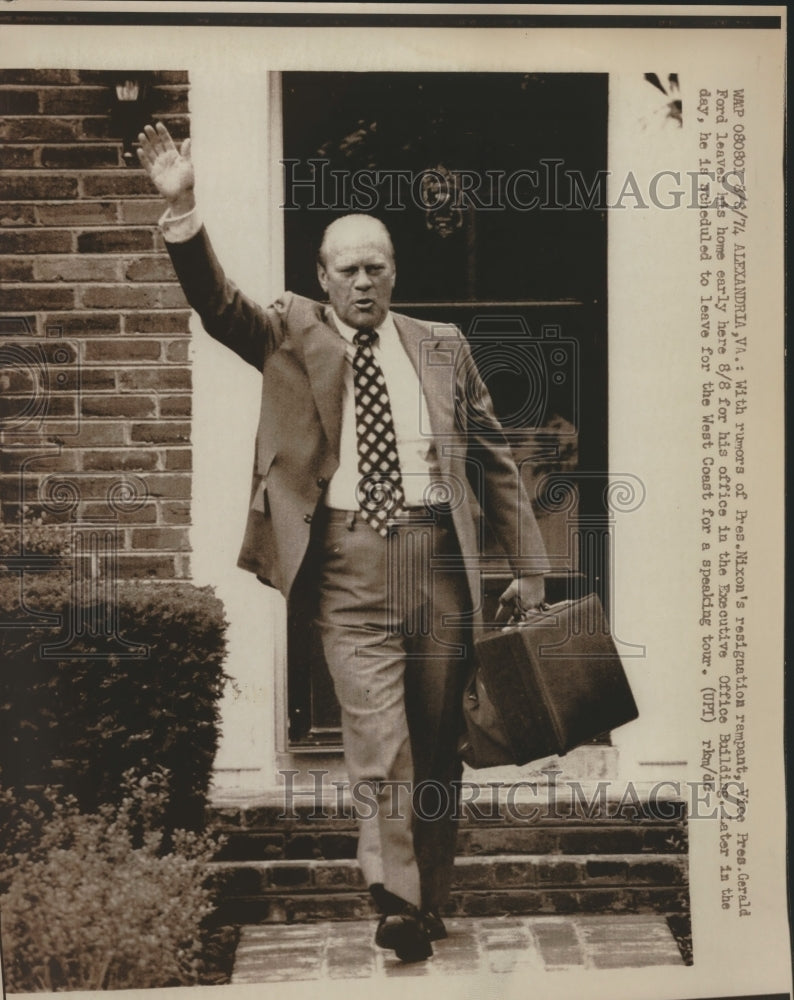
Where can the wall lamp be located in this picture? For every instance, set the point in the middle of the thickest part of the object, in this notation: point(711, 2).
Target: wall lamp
point(129, 109)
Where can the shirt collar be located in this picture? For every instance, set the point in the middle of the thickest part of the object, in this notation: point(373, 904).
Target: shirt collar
point(387, 327)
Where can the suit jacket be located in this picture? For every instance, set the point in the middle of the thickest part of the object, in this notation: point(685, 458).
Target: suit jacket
point(302, 359)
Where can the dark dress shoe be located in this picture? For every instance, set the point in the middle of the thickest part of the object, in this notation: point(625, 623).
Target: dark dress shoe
point(434, 925)
point(405, 934)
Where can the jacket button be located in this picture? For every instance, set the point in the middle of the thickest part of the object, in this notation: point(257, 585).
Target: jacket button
point(307, 518)
point(322, 483)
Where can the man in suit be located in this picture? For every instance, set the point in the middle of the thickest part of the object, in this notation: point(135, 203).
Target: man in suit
point(377, 443)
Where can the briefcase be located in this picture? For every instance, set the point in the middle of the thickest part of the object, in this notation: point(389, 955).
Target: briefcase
point(544, 686)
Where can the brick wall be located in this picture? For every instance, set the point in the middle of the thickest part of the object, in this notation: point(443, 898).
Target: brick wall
point(95, 383)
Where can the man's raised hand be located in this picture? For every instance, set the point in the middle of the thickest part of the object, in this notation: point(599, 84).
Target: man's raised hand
point(170, 169)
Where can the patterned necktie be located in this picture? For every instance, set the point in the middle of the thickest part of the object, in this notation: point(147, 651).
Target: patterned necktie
point(380, 490)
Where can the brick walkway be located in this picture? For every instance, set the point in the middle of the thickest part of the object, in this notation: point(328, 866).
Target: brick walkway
point(345, 949)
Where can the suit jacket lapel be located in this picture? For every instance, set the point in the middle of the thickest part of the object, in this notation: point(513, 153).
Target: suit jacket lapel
point(434, 359)
point(324, 351)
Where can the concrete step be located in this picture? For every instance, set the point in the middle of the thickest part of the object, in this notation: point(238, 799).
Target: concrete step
point(287, 891)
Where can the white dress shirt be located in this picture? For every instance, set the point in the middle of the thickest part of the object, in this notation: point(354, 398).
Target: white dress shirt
point(416, 450)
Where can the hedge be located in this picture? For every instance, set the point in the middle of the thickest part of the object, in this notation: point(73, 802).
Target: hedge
point(80, 718)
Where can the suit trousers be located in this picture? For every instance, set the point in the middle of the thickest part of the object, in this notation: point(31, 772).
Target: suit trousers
point(393, 614)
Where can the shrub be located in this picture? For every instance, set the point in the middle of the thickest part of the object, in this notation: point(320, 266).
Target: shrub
point(95, 905)
point(79, 716)
point(33, 536)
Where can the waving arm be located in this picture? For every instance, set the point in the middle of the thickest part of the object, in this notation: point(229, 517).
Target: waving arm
point(226, 313)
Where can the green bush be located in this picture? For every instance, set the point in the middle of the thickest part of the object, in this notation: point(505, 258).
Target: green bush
point(80, 717)
point(93, 904)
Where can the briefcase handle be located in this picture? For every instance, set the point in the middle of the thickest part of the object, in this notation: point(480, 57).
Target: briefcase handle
point(522, 616)
point(531, 615)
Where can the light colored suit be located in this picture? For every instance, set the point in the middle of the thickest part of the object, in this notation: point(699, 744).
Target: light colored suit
point(302, 358)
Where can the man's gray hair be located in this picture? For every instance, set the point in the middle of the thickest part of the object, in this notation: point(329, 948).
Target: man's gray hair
point(353, 221)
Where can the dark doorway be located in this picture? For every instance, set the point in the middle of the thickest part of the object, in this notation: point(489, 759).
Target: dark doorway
point(492, 186)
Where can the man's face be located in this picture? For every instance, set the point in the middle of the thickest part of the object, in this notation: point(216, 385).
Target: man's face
point(358, 276)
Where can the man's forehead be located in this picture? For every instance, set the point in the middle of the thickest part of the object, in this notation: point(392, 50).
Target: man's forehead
point(353, 250)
